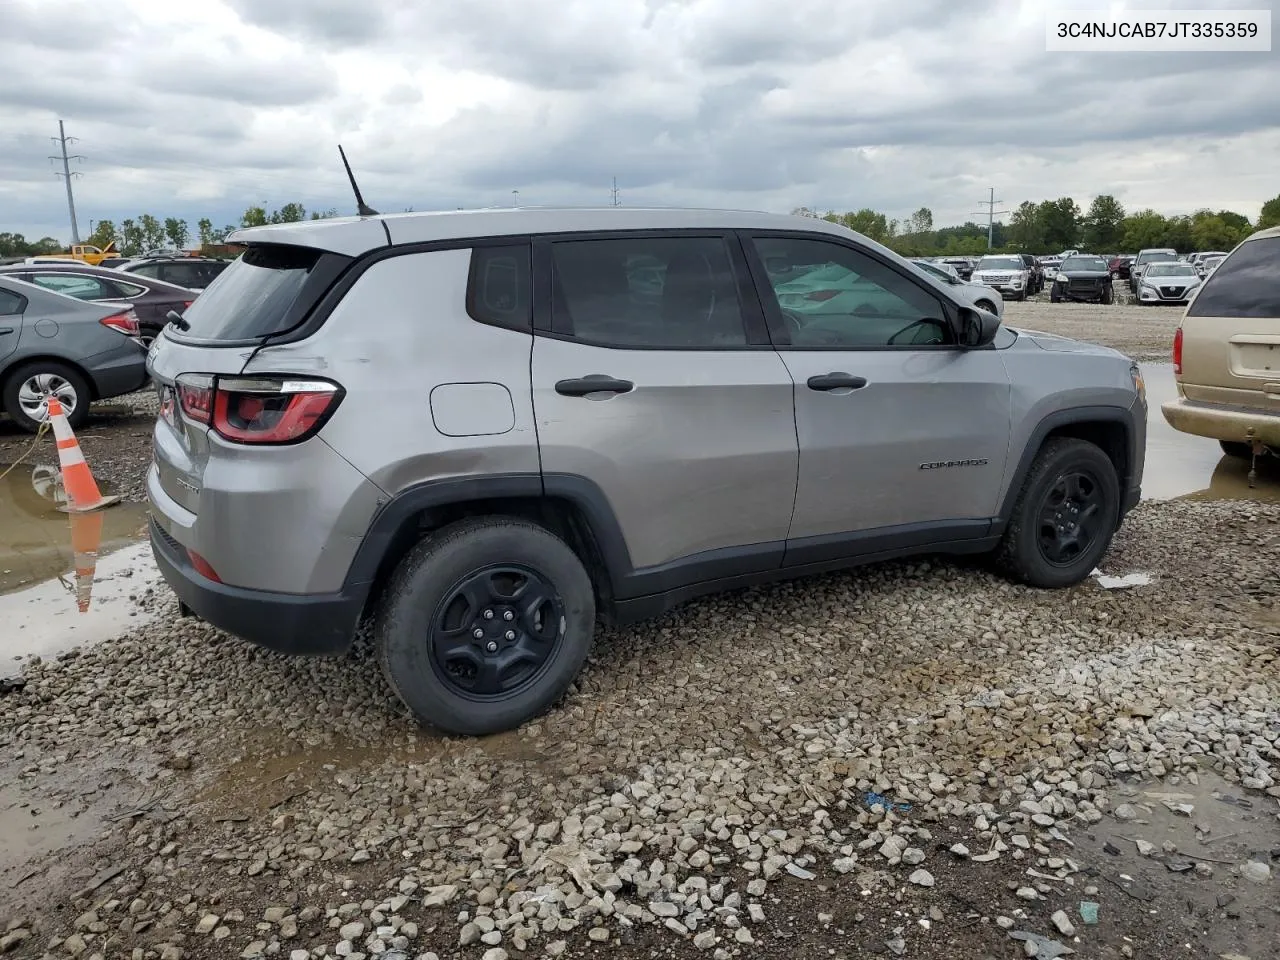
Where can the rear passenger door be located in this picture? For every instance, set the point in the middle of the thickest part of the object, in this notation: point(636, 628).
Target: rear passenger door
point(657, 393)
point(11, 307)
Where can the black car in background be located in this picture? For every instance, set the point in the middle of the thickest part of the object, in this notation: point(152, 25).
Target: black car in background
point(1083, 278)
point(963, 265)
point(151, 299)
point(1036, 283)
point(194, 273)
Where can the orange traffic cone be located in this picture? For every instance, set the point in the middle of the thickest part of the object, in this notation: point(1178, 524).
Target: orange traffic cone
point(82, 490)
point(86, 537)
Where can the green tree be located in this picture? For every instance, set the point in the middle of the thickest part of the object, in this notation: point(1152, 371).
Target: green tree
point(1237, 221)
point(1103, 224)
point(176, 231)
point(802, 212)
point(867, 222)
point(921, 222)
point(221, 236)
point(1025, 231)
point(289, 213)
point(328, 214)
point(47, 245)
point(1270, 216)
point(152, 232)
point(103, 233)
point(14, 245)
point(1059, 222)
point(1177, 234)
point(204, 230)
point(1144, 229)
point(1217, 231)
point(130, 237)
point(254, 217)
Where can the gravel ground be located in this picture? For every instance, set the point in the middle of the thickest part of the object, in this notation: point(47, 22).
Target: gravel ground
point(704, 788)
point(914, 759)
point(1144, 333)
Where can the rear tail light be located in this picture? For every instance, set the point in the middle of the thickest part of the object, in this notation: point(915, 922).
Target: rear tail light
point(186, 305)
point(258, 410)
point(203, 567)
point(125, 322)
point(1177, 353)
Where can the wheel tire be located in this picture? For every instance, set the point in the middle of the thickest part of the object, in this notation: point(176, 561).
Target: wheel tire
point(1233, 448)
point(423, 589)
point(988, 306)
point(1053, 297)
point(1108, 295)
point(1020, 554)
point(147, 334)
point(1022, 294)
point(76, 416)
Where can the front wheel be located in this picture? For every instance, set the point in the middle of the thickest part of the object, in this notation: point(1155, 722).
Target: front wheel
point(1064, 517)
point(485, 624)
point(986, 305)
point(1108, 295)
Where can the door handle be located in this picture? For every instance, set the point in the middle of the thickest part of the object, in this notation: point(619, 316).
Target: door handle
point(836, 381)
point(4, 330)
point(593, 383)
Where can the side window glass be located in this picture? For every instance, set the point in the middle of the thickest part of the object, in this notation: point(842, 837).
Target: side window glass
point(1245, 284)
point(151, 270)
point(647, 292)
point(833, 296)
point(11, 303)
point(80, 287)
point(182, 274)
point(499, 289)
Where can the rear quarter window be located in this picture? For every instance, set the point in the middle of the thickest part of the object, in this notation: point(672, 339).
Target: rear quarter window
point(11, 303)
point(269, 290)
point(500, 288)
point(1245, 284)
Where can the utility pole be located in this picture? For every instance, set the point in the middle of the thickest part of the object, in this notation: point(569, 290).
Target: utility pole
point(614, 193)
point(62, 140)
point(991, 212)
point(515, 198)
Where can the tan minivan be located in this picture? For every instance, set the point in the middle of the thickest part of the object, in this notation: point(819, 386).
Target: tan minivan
point(1226, 353)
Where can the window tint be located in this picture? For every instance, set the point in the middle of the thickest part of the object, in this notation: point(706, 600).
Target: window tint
point(76, 285)
point(834, 296)
point(658, 292)
point(128, 289)
point(11, 303)
point(1245, 284)
point(183, 274)
point(500, 290)
point(254, 296)
point(151, 270)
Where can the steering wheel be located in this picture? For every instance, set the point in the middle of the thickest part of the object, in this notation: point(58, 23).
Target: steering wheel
point(912, 326)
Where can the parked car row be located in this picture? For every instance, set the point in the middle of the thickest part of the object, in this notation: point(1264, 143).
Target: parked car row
point(80, 332)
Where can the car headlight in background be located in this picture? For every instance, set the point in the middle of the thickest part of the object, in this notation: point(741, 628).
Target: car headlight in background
point(1060, 278)
point(1138, 383)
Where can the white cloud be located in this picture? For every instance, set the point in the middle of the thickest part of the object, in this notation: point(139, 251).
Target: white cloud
point(197, 109)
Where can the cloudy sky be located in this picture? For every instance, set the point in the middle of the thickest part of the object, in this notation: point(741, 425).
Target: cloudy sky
point(201, 108)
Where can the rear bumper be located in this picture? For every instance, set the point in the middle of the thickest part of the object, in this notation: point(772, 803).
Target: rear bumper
point(1222, 422)
point(118, 371)
point(298, 624)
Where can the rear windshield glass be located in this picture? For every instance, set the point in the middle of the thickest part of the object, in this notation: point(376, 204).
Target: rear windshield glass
point(1246, 284)
point(251, 298)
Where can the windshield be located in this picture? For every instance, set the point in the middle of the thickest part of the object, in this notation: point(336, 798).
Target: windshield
point(1000, 263)
point(1212, 261)
point(252, 297)
point(1154, 255)
point(933, 270)
point(1084, 263)
point(1171, 270)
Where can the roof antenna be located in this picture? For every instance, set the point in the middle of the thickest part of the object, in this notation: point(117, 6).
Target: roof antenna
point(362, 208)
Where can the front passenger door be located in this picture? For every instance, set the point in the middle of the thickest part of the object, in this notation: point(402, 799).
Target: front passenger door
point(883, 395)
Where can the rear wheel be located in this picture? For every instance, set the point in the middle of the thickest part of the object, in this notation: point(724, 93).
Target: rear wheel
point(485, 624)
point(26, 393)
point(1064, 517)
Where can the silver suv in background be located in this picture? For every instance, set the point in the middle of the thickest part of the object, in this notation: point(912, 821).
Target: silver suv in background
point(488, 430)
point(1007, 273)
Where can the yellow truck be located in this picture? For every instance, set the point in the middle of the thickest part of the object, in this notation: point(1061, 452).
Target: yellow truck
point(86, 253)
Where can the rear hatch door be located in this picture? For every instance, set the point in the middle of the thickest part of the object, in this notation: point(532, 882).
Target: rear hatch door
point(1231, 331)
point(265, 293)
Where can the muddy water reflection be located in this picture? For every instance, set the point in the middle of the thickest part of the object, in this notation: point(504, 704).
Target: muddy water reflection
point(1182, 466)
point(64, 580)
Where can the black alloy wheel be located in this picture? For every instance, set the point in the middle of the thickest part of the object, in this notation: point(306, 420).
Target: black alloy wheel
point(495, 631)
point(1070, 517)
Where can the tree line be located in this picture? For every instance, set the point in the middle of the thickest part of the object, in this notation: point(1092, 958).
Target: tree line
point(135, 235)
point(1052, 226)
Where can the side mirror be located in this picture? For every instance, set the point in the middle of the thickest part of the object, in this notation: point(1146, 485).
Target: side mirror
point(977, 327)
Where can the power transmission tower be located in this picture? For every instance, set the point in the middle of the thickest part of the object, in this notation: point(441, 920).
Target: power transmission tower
point(62, 140)
point(991, 212)
point(614, 193)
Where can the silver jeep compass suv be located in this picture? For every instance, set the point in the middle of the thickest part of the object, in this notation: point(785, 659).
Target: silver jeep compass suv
point(487, 430)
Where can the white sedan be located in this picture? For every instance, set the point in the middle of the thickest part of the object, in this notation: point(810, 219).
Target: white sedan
point(978, 294)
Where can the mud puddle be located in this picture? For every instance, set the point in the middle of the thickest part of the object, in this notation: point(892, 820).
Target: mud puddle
point(65, 579)
point(1180, 465)
point(1191, 850)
